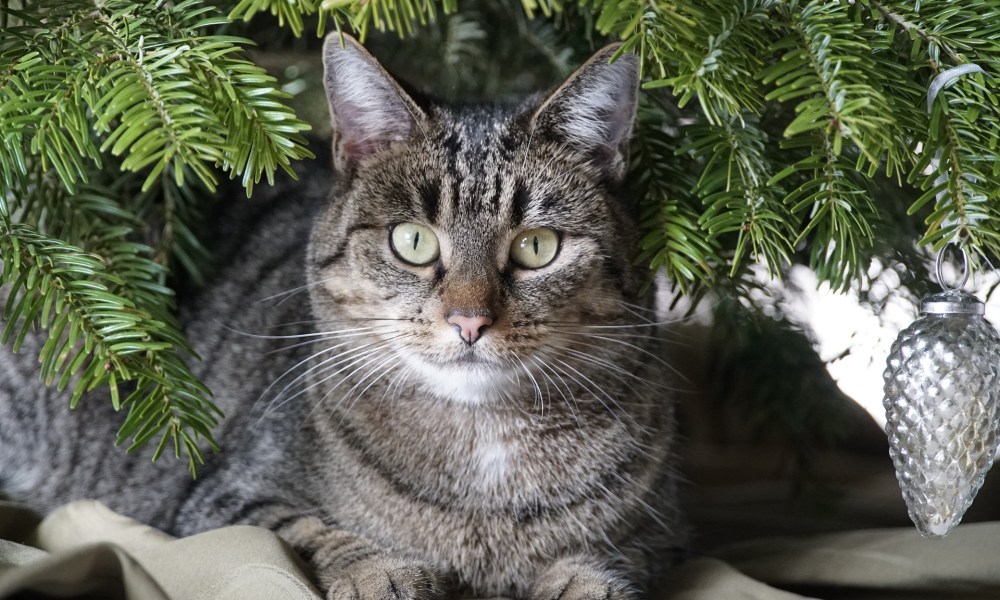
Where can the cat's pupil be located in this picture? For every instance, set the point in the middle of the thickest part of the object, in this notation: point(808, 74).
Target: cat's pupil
point(416, 239)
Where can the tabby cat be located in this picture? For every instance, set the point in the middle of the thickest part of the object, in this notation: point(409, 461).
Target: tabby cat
point(457, 396)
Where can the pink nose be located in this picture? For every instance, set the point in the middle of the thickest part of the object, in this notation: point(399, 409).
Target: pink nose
point(469, 328)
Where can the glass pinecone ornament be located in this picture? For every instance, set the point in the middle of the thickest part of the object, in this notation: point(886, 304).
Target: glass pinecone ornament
point(941, 392)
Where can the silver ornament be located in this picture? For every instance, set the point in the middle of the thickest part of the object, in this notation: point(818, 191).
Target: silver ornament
point(941, 395)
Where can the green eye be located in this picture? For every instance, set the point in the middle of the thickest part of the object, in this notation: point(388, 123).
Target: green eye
point(414, 244)
point(534, 248)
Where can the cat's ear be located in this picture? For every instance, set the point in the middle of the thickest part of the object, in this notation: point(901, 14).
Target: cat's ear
point(594, 109)
point(370, 111)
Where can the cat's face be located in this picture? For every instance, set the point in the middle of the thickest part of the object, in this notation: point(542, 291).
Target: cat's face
point(471, 249)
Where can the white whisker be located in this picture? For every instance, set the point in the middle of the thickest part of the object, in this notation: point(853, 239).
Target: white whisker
point(538, 391)
point(365, 364)
point(335, 335)
point(376, 369)
point(324, 368)
point(616, 371)
point(308, 359)
point(317, 322)
point(615, 340)
point(570, 401)
point(285, 295)
point(396, 382)
point(593, 388)
point(312, 334)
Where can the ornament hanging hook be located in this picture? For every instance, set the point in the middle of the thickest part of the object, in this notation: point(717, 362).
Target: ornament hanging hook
point(939, 271)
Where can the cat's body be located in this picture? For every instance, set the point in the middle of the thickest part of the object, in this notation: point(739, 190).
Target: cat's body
point(483, 415)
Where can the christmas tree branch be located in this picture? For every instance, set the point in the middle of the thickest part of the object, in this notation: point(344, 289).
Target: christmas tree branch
point(911, 27)
point(143, 83)
point(99, 337)
point(738, 199)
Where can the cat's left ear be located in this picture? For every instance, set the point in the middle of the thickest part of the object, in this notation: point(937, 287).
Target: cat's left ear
point(594, 109)
point(370, 111)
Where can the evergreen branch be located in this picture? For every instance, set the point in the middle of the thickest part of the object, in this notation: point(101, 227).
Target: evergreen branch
point(673, 237)
point(840, 214)
point(964, 30)
point(41, 113)
point(719, 69)
point(360, 15)
point(961, 136)
point(177, 210)
point(655, 30)
point(676, 244)
point(121, 272)
point(958, 168)
point(156, 123)
point(548, 7)
point(821, 65)
point(738, 198)
point(163, 94)
point(262, 133)
point(97, 337)
point(292, 12)
point(912, 28)
point(141, 82)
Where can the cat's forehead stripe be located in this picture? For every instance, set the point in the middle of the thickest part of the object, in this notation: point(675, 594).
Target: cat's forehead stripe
point(519, 204)
point(430, 195)
point(479, 150)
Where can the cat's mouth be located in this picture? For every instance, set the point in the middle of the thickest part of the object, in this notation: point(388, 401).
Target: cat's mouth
point(469, 376)
point(470, 358)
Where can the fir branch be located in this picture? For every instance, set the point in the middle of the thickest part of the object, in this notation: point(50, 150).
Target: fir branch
point(912, 28)
point(840, 213)
point(162, 93)
point(293, 13)
point(117, 295)
point(97, 337)
point(360, 16)
point(673, 236)
point(964, 30)
point(738, 197)
point(719, 69)
point(146, 84)
point(958, 168)
point(821, 69)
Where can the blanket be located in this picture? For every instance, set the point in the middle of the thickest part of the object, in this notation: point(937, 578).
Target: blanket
point(84, 550)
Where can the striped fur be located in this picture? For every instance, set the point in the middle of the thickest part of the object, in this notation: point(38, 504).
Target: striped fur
point(400, 460)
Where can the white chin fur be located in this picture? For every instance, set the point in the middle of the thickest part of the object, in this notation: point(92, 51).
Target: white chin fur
point(466, 384)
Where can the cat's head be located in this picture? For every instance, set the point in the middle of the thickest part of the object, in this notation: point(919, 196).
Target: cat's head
point(471, 247)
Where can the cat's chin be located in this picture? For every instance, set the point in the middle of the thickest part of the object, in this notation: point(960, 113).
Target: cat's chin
point(467, 381)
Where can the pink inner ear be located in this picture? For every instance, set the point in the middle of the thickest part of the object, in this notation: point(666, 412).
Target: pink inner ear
point(593, 111)
point(366, 129)
point(370, 111)
point(362, 147)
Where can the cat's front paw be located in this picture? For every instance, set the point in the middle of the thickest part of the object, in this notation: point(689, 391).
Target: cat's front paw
point(384, 578)
point(571, 579)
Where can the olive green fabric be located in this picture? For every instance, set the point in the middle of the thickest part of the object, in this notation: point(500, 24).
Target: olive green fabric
point(86, 551)
point(882, 564)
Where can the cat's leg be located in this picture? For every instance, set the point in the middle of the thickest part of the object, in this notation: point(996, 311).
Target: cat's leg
point(579, 578)
point(349, 567)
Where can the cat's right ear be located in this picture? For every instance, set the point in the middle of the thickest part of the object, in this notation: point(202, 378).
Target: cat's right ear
point(593, 110)
point(368, 108)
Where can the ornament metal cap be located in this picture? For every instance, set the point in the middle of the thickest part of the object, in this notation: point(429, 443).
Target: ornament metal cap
point(952, 302)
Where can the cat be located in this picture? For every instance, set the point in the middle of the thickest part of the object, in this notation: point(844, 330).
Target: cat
point(448, 384)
